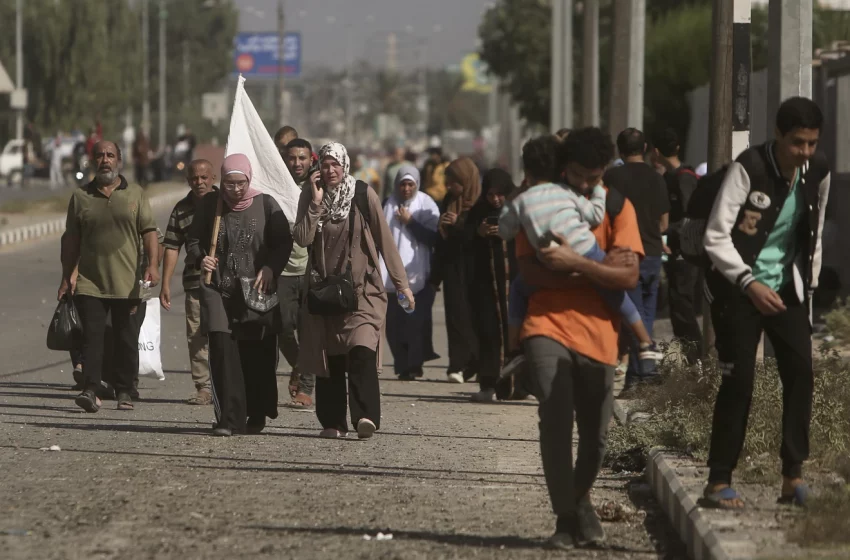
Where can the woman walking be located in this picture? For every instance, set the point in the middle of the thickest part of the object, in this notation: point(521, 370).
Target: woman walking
point(494, 268)
point(452, 266)
point(342, 223)
point(412, 216)
point(239, 308)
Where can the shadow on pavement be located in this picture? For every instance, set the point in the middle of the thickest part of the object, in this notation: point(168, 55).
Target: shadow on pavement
point(33, 369)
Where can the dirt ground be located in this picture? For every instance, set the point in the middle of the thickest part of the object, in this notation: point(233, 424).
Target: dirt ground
point(446, 478)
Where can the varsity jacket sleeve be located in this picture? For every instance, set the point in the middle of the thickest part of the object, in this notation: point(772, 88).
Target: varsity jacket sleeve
point(718, 232)
point(817, 258)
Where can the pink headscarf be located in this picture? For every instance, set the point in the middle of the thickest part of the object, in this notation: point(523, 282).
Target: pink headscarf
point(238, 164)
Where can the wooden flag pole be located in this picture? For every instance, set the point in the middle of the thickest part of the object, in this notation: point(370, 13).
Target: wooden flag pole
point(214, 240)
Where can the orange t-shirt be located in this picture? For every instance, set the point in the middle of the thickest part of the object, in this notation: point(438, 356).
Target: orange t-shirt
point(577, 316)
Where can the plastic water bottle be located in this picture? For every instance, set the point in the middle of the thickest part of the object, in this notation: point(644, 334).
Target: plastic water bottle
point(404, 303)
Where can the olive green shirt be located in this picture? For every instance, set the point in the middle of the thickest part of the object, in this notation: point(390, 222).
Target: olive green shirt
point(110, 231)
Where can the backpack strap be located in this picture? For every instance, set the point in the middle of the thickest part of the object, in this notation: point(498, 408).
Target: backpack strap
point(361, 202)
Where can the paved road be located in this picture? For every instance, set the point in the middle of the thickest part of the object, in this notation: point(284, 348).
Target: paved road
point(447, 478)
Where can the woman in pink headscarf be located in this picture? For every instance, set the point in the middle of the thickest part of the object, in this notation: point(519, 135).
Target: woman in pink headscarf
point(239, 310)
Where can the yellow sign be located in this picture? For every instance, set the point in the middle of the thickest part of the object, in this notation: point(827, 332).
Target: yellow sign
point(474, 72)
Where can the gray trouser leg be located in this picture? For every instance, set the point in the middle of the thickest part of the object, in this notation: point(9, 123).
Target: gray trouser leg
point(566, 383)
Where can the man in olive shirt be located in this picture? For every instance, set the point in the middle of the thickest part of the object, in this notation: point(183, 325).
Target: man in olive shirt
point(107, 221)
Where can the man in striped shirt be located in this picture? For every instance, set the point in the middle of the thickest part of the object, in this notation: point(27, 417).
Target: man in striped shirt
point(201, 177)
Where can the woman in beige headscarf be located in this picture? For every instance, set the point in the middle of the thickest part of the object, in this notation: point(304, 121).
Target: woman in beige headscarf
point(349, 342)
point(453, 266)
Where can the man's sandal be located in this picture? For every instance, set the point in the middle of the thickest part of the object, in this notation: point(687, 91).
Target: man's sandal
point(294, 380)
point(798, 498)
point(300, 401)
point(201, 398)
point(716, 499)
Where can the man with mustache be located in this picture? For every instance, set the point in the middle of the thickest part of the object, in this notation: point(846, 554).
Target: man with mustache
point(107, 221)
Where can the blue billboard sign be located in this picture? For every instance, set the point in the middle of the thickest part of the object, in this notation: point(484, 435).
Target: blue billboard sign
point(256, 55)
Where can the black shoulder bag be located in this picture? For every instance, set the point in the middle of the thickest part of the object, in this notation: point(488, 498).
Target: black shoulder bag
point(335, 295)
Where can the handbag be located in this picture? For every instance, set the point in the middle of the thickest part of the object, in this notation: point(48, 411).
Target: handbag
point(256, 300)
point(335, 295)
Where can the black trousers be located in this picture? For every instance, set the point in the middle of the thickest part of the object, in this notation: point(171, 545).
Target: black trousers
point(244, 379)
point(364, 394)
point(682, 278)
point(125, 358)
point(463, 342)
point(739, 327)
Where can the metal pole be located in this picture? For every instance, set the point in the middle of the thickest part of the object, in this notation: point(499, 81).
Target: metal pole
point(618, 105)
point(281, 51)
point(163, 109)
point(557, 80)
point(789, 66)
point(146, 71)
point(742, 63)
point(19, 64)
point(590, 71)
point(637, 42)
point(349, 103)
point(719, 112)
point(567, 61)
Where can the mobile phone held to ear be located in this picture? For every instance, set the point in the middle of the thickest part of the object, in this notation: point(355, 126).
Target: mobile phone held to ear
point(492, 220)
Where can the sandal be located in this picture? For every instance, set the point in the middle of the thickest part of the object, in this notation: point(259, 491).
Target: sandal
point(125, 402)
point(88, 401)
point(798, 498)
point(202, 397)
point(294, 380)
point(301, 401)
point(715, 500)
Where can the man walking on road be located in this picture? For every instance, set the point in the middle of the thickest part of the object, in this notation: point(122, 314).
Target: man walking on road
point(763, 237)
point(201, 177)
point(107, 221)
point(570, 340)
point(682, 276)
point(645, 189)
point(299, 158)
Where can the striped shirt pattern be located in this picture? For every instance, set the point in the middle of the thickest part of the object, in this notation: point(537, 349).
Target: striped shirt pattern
point(557, 209)
point(175, 238)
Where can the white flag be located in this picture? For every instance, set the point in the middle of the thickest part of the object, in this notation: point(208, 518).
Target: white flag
point(248, 135)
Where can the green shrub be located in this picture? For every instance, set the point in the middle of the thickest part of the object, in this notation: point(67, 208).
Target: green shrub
point(838, 321)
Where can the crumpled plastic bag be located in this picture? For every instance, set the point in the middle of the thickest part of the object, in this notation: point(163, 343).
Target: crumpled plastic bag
point(65, 328)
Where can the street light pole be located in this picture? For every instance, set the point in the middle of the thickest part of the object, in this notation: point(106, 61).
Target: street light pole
point(281, 51)
point(590, 73)
point(146, 71)
point(557, 82)
point(163, 110)
point(19, 64)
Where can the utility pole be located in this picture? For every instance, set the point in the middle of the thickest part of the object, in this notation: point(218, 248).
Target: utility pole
point(590, 71)
point(349, 86)
point(789, 66)
point(19, 65)
point(729, 106)
point(627, 72)
point(562, 65)
point(281, 52)
point(146, 71)
point(557, 79)
point(163, 110)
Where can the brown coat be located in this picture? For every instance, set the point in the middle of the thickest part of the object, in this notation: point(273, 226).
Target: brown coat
point(332, 336)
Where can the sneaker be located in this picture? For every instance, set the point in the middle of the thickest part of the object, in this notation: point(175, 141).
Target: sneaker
point(331, 433)
point(456, 377)
point(590, 531)
point(484, 396)
point(650, 352)
point(565, 530)
point(365, 428)
point(88, 401)
point(513, 367)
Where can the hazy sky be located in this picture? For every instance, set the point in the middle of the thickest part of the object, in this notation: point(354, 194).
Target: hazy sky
point(447, 28)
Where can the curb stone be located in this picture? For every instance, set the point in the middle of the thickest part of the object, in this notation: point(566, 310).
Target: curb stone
point(57, 225)
point(700, 539)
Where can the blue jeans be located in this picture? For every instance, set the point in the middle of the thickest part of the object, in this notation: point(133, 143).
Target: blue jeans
point(645, 297)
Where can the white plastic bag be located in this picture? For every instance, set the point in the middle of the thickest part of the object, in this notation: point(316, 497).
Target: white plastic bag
point(248, 135)
point(150, 357)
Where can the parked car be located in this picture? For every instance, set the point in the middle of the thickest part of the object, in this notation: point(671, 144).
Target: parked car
point(12, 164)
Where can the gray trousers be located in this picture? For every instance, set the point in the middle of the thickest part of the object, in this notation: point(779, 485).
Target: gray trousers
point(566, 384)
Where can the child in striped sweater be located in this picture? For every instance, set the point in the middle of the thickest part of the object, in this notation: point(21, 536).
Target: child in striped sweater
point(551, 208)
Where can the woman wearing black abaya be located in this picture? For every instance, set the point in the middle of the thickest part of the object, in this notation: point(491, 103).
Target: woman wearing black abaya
point(452, 266)
point(494, 267)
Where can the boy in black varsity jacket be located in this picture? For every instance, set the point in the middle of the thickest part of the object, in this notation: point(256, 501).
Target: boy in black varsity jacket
point(764, 241)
